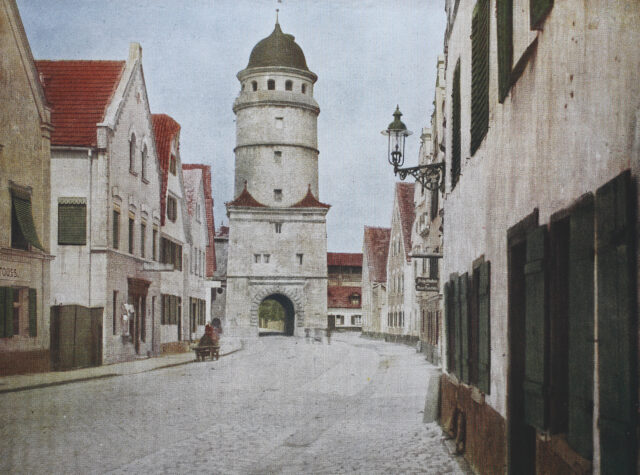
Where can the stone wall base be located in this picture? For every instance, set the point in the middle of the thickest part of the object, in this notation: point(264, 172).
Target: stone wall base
point(175, 347)
point(480, 432)
point(373, 335)
point(404, 339)
point(19, 362)
point(554, 456)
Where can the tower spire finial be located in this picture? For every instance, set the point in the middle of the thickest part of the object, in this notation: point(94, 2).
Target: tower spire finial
point(277, 10)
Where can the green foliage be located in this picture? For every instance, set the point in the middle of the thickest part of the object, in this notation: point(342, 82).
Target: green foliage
point(271, 311)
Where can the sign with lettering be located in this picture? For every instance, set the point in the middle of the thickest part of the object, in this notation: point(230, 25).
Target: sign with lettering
point(16, 272)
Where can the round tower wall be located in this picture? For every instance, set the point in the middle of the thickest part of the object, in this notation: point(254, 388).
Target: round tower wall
point(267, 124)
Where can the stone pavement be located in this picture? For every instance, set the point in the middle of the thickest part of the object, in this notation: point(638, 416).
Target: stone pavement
point(23, 382)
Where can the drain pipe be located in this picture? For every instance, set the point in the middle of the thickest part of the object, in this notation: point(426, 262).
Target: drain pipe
point(90, 201)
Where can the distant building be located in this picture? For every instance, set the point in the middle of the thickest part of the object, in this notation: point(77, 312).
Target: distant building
point(344, 294)
point(401, 323)
point(25, 130)
point(375, 249)
point(218, 294)
point(277, 225)
point(105, 207)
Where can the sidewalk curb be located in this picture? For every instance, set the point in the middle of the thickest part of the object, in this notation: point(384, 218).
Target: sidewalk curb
point(102, 376)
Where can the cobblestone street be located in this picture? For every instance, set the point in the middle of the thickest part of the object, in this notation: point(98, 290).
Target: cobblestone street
point(281, 405)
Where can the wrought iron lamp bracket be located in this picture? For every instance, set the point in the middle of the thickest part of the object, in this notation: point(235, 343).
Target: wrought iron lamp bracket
point(430, 176)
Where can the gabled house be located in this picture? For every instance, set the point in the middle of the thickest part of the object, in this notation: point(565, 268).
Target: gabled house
point(375, 249)
point(174, 237)
point(105, 211)
point(401, 323)
point(344, 293)
point(25, 251)
point(218, 294)
point(197, 188)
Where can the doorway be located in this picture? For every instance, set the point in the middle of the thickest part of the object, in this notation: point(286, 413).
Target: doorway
point(137, 291)
point(276, 316)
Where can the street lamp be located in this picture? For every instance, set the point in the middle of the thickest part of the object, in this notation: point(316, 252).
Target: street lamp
point(430, 176)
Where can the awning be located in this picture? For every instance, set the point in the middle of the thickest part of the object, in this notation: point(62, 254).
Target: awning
point(22, 207)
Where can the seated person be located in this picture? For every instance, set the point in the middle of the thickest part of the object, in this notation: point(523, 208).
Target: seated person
point(210, 337)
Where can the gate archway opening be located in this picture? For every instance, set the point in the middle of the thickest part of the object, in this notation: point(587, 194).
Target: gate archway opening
point(276, 316)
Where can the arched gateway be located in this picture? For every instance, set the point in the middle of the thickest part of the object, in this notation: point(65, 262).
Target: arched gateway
point(276, 315)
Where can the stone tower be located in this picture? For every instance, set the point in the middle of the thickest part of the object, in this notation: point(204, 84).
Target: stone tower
point(277, 235)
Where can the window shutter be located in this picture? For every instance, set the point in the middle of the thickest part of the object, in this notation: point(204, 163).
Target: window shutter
point(581, 328)
point(72, 223)
point(24, 215)
point(6, 312)
point(536, 331)
point(457, 335)
point(484, 332)
point(463, 304)
point(505, 46)
point(538, 10)
point(455, 127)
point(33, 313)
point(448, 316)
point(479, 74)
point(617, 331)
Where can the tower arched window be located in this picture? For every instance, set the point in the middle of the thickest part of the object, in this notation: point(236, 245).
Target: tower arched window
point(271, 84)
point(132, 152)
point(254, 85)
point(288, 85)
point(304, 89)
point(144, 162)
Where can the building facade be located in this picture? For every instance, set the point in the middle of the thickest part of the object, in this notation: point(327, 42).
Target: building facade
point(25, 252)
point(277, 226)
point(219, 294)
point(105, 201)
point(401, 323)
point(540, 231)
point(375, 249)
point(344, 292)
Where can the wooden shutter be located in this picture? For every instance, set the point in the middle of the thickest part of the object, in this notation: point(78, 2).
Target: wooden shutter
point(504, 10)
point(6, 312)
point(33, 313)
point(536, 331)
point(72, 223)
point(455, 127)
point(479, 74)
point(24, 215)
point(448, 316)
point(463, 305)
point(484, 332)
point(581, 327)
point(538, 10)
point(617, 331)
point(457, 335)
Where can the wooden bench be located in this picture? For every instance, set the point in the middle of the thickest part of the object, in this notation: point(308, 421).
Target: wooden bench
point(203, 351)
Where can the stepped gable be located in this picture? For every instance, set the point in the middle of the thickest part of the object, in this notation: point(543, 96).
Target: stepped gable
point(376, 248)
point(310, 201)
point(78, 93)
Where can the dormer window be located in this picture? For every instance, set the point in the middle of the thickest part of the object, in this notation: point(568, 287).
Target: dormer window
point(254, 86)
point(288, 86)
point(271, 84)
point(354, 299)
point(132, 153)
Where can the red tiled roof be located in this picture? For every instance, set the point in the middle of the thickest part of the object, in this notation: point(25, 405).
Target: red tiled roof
point(404, 196)
point(210, 255)
point(78, 93)
point(310, 201)
point(245, 199)
point(338, 297)
point(164, 130)
point(223, 232)
point(353, 259)
point(376, 248)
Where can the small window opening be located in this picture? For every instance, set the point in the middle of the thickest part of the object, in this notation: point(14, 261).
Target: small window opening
point(256, 258)
point(278, 228)
point(288, 85)
point(279, 122)
point(265, 258)
point(254, 85)
point(277, 157)
point(277, 195)
point(271, 84)
point(304, 89)
point(299, 257)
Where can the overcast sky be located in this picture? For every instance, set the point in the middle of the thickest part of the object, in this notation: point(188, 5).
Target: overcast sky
point(369, 55)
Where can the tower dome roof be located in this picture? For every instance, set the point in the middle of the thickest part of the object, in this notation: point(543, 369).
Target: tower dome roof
point(277, 49)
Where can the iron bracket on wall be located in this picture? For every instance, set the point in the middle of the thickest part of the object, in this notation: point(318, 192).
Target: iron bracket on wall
point(430, 176)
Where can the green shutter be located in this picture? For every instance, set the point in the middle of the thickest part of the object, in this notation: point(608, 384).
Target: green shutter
point(504, 10)
point(448, 317)
point(457, 335)
point(479, 74)
point(72, 223)
point(538, 10)
point(581, 328)
point(6, 312)
point(536, 331)
point(484, 329)
point(617, 331)
point(33, 313)
point(463, 305)
point(24, 214)
point(455, 127)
